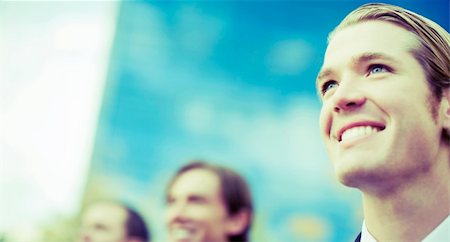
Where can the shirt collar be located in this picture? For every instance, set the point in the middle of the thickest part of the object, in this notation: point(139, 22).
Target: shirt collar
point(439, 234)
point(365, 235)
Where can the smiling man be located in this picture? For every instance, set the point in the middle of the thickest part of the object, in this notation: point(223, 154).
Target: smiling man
point(208, 203)
point(385, 120)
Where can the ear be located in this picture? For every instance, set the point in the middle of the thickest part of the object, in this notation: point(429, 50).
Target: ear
point(446, 109)
point(237, 223)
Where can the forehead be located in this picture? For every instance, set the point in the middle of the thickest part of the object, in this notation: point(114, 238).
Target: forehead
point(369, 37)
point(105, 213)
point(201, 182)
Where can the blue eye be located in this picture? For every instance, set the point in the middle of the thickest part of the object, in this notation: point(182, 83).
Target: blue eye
point(328, 85)
point(377, 68)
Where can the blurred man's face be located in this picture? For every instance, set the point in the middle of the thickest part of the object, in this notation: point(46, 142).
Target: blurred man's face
point(103, 222)
point(195, 209)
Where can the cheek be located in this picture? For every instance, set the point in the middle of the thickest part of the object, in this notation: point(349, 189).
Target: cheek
point(324, 120)
point(168, 215)
point(200, 213)
point(212, 215)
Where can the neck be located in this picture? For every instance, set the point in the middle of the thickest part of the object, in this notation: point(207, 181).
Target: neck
point(410, 212)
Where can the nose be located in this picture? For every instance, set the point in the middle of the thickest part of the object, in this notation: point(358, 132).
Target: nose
point(348, 97)
point(177, 212)
point(84, 236)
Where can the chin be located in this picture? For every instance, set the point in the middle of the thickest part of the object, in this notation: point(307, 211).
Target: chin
point(379, 180)
point(348, 179)
point(358, 176)
point(345, 172)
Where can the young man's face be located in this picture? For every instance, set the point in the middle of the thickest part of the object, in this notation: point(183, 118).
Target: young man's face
point(376, 118)
point(103, 222)
point(195, 209)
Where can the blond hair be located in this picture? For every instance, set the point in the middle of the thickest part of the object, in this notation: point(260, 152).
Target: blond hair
point(433, 50)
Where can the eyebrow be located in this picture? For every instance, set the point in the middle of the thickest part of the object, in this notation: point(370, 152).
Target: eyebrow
point(197, 197)
point(365, 57)
point(323, 74)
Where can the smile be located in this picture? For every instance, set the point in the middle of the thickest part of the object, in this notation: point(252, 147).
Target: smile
point(181, 233)
point(358, 131)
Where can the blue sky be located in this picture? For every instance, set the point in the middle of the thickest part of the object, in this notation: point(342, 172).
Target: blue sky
point(231, 82)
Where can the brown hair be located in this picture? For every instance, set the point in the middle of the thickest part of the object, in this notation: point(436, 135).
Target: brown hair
point(135, 225)
point(234, 190)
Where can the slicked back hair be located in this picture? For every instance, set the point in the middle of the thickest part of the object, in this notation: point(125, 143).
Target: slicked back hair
point(433, 48)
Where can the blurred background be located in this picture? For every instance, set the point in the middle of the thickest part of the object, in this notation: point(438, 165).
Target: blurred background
point(107, 99)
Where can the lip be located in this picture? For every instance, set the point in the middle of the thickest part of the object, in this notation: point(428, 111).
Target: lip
point(176, 230)
point(182, 227)
point(378, 125)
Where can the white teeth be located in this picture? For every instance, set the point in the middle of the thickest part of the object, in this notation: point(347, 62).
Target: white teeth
point(358, 131)
point(181, 233)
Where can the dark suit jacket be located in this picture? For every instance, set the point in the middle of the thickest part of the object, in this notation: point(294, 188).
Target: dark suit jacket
point(358, 239)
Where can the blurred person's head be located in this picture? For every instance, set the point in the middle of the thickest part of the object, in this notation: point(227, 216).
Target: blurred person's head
point(109, 221)
point(208, 203)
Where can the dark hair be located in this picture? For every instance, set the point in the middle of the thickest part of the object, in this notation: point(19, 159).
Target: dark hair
point(234, 190)
point(136, 226)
